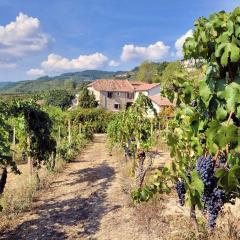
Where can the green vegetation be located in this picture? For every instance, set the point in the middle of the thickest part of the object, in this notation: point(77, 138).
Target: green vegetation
point(98, 118)
point(87, 99)
point(150, 72)
point(203, 134)
point(59, 98)
point(67, 81)
point(132, 130)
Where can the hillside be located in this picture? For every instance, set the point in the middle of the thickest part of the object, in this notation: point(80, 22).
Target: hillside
point(57, 82)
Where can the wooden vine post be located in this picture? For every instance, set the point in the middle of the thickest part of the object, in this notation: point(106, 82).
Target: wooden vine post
point(80, 128)
point(69, 131)
point(59, 135)
point(30, 162)
point(14, 143)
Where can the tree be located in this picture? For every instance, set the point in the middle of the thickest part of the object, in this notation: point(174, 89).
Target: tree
point(150, 72)
point(147, 72)
point(70, 84)
point(59, 98)
point(87, 99)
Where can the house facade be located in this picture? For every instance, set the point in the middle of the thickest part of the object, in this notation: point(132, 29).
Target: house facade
point(112, 95)
point(115, 95)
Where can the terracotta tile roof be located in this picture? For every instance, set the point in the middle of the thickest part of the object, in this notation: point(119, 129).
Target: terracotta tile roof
point(110, 85)
point(137, 83)
point(146, 86)
point(160, 101)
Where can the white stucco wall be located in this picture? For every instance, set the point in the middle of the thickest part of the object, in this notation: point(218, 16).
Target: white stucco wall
point(150, 92)
point(96, 93)
point(157, 108)
point(137, 94)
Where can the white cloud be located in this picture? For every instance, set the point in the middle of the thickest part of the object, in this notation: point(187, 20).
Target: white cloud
point(58, 63)
point(114, 63)
point(22, 37)
point(35, 72)
point(180, 41)
point(153, 52)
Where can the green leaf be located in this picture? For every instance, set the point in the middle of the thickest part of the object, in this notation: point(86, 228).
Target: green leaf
point(237, 30)
point(232, 96)
point(225, 134)
point(220, 48)
point(232, 180)
point(220, 172)
point(197, 182)
point(235, 53)
point(204, 91)
point(221, 113)
point(224, 58)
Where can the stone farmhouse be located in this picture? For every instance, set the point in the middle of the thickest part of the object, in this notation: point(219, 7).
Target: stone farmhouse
point(115, 95)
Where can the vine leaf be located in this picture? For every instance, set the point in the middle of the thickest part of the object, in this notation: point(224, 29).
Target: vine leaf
point(221, 113)
point(225, 134)
point(205, 91)
point(232, 96)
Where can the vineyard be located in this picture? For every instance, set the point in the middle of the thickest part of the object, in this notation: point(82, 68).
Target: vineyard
point(93, 174)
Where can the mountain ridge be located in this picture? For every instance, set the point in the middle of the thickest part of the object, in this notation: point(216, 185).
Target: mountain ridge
point(57, 82)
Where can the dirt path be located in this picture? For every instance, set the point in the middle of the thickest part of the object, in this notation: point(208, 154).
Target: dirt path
point(84, 202)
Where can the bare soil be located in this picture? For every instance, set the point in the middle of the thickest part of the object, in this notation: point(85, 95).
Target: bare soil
point(89, 199)
point(85, 201)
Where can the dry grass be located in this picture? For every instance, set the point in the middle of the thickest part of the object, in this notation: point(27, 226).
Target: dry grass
point(163, 218)
point(153, 217)
point(19, 196)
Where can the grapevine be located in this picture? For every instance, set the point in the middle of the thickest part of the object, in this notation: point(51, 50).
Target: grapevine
point(203, 135)
point(131, 129)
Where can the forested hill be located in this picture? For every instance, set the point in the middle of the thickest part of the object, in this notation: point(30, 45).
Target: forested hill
point(146, 72)
point(58, 82)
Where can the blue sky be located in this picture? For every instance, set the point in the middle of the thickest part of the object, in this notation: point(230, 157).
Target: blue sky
point(41, 37)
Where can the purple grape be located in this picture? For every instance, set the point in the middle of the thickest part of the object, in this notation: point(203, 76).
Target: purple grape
point(213, 197)
point(180, 188)
point(193, 103)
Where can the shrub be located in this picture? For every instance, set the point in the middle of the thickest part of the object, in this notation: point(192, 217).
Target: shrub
point(99, 118)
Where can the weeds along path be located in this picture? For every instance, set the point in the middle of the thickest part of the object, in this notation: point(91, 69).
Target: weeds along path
point(85, 201)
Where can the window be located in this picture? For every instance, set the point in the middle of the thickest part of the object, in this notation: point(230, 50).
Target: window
point(109, 94)
point(130, 95)
point(118, 94)
point(116, 106)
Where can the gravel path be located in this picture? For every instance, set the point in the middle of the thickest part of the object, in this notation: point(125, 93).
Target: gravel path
point(85, 201)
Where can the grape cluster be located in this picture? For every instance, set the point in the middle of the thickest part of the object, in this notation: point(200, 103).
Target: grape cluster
point(213, 197)
point(205, 169)
point(180, 188)
point(222, 159)
point(214, 203)
point(193, 103)
point(203, 141)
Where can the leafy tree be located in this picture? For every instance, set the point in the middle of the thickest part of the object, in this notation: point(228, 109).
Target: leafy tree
point(87, 99)
point(147, 72)
point(70, 84)
point(59, 98)
point(150, 72)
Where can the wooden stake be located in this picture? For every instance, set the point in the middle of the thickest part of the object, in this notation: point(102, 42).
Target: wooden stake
point(80, 128)
point(59, 135)
point(14, 143)
point(30, 163)
point(69, 131)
